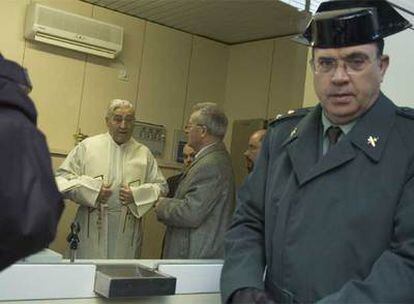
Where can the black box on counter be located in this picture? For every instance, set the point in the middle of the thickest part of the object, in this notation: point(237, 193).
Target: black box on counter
point(132, 280)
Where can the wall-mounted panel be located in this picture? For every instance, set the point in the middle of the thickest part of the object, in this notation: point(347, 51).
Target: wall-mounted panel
point(208, 72)
point(288, 76)
point(248, 80)
point(163, 81)
point(12, 16)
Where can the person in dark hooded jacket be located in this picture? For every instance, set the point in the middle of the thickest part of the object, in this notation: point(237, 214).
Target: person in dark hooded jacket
point(30, 202)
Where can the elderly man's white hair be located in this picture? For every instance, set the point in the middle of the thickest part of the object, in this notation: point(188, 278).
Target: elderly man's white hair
point(212, 117)
point(118, 103)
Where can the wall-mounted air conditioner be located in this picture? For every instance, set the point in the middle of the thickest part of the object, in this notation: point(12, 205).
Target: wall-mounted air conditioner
point(75, 32)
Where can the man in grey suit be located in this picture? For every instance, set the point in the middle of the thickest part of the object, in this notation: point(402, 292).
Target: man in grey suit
point(199, 213)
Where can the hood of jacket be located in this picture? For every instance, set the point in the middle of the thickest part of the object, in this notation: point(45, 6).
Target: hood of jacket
point(13, 80)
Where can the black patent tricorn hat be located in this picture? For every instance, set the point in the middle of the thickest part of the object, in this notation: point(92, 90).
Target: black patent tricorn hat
point(352, 22)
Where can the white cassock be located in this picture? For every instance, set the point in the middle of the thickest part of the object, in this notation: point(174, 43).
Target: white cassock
point(112, 230)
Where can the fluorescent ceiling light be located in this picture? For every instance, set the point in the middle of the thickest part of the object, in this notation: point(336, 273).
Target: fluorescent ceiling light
point(301, 4)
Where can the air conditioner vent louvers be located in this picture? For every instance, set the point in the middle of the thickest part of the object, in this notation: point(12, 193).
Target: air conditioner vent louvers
point(53, 26)
point(79, 25)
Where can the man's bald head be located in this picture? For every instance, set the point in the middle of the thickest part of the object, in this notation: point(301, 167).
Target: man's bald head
point(253, 149)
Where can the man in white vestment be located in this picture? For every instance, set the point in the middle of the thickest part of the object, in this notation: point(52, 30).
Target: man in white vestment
point(115, 180)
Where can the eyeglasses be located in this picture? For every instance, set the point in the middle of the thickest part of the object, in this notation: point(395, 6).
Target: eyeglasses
point(189, 126)
point(118, 119)
point(352, 64)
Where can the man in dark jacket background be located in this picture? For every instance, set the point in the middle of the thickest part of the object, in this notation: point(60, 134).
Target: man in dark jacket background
point(174, 181)
point(29, 200)
point(327, 214)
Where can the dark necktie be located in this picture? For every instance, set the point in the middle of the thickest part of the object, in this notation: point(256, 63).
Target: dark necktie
point(333, 134)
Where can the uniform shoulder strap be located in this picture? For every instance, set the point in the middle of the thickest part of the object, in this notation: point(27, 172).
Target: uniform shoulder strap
point(406, 112)
point(298, 113)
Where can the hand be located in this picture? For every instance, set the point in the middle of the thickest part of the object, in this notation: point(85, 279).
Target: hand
point(158, 203)
point(125, 195)
point(104, 194)
point(251, 296)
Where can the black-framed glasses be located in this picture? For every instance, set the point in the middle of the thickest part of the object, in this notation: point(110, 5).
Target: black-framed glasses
point(352, 64)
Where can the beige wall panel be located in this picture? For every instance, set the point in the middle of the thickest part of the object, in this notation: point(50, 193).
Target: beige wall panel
point(153, 237)
point(163, 80)
point(288, 76)
point(248, 79)
point(101, 76)
point(57, 76)
point(309, 97)
point(12, 16)
point(154, 230)
point(208, 73)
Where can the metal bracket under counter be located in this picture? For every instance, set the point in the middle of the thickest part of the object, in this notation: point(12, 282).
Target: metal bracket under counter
point(76, 280)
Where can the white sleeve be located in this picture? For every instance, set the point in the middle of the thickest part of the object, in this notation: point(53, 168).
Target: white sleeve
point(73, 184)
point(148, 192)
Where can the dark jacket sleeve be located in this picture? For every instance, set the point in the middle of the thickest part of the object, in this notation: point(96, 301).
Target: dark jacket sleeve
point(30, 202)
point(245, 240)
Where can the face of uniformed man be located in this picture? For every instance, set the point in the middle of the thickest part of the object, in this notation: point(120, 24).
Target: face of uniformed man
point(188, 153)
point(347, 80)
point(121, 124)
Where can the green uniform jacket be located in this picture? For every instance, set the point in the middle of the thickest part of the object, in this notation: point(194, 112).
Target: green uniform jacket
point(331, 229)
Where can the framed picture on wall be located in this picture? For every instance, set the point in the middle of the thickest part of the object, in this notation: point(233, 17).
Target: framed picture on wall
point(179, 142)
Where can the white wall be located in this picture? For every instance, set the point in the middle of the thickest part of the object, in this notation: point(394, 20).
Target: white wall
point(399, 79)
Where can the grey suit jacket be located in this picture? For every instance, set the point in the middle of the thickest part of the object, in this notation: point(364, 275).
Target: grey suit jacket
point(199, 214)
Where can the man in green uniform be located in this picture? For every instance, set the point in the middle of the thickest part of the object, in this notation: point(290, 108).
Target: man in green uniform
point(327, 214)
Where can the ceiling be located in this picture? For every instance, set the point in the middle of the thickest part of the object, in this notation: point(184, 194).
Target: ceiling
point(226, 21)
point(405, 8)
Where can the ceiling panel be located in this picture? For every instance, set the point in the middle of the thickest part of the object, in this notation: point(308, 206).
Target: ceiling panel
point(227, 21)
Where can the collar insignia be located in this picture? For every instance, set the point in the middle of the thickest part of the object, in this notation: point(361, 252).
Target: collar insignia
point(372, 141)
point(294, 132)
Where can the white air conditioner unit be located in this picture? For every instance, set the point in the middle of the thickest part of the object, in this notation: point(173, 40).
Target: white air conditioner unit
point(71, 31)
